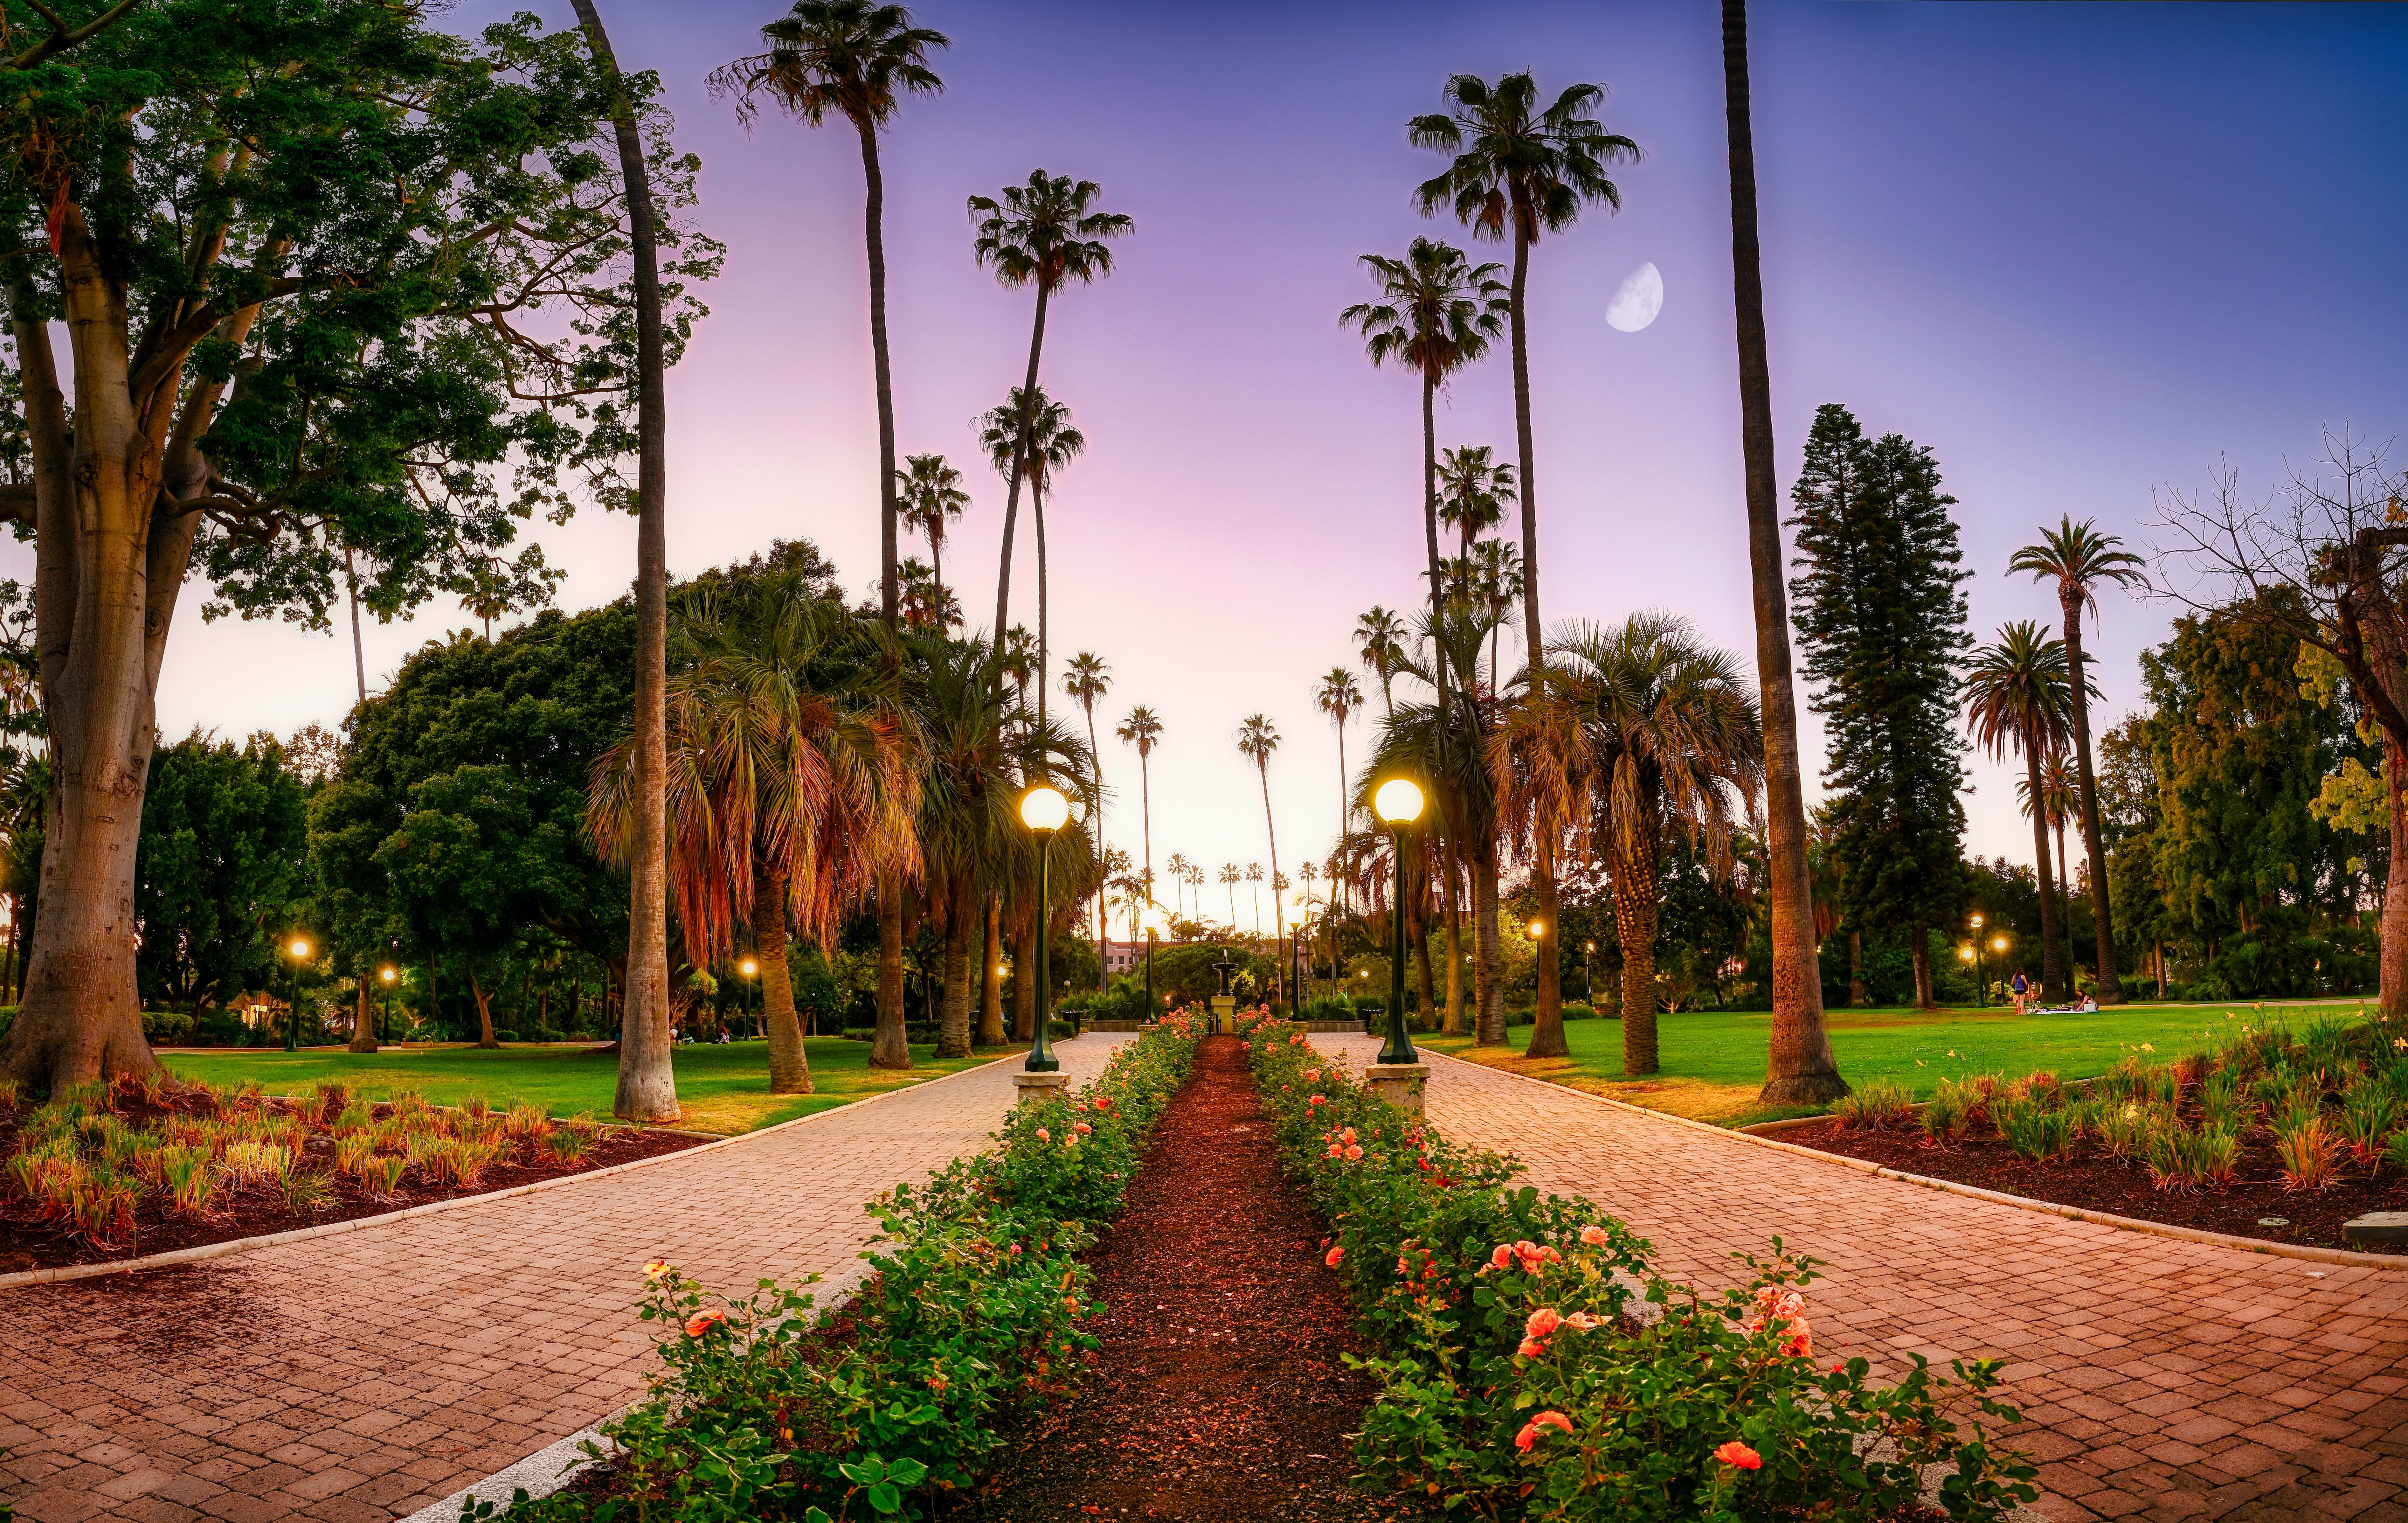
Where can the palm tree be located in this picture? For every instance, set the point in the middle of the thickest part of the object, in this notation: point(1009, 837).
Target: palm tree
point(791, 782)
point(1142, 729)
point(1037, 434)
point(1474, 490)
point(1495, 577)
point(1798, 1068)
point(1232, 877)
point(1339, 695)
point(647, 1089)
point(1087, 679)
point(1437, 313)
point(1381, 635)
point(2057, 794)
point(930, 495)
point(854, 60)
point(1254, 892)
point(1645, 730)
point(2018, 698)
point(2079, 558)
point(1177, 866)
point(1256, 739)
point(1041, 233)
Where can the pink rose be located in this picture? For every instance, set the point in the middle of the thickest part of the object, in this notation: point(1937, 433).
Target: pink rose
point(1543, 1321)
point(1593, 1235)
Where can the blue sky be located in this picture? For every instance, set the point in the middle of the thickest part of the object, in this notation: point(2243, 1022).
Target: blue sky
point(2083, 252)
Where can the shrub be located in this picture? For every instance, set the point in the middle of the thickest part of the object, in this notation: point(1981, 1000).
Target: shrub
point(2125, 1127)
point(570, 1146)
point(2180, 1158)
point(2307, 1152)
point(1876, 1102)
point(1517, 1376)
point(1947, 1113)
point(2368, 1113)
point(2040, 1133)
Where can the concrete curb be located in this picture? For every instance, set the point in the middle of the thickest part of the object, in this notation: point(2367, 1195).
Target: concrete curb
point(299, 1234)
point(2395, 1263)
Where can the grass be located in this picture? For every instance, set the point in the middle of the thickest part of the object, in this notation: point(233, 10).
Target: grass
point(1712, 1061)
point(723, 1089)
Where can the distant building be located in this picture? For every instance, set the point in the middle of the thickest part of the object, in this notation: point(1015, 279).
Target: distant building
point(1123, 956)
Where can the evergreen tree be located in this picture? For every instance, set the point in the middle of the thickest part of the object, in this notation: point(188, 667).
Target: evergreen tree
point(1883, 620)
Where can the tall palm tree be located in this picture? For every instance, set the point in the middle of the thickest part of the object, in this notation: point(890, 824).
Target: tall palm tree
point(647, 1089)
point(1041, 233)
point(1799, 1068)
point(1087, 680)
point(855, 60)
point(2057, 801)
point(1495, 577)
point(2079, 559)
point(930, 497)
point(1381, 636)
point(1474, 490)
point(1254, 892)
point(1257, 737)
point(1437, 313)
point(1141, 729)
point(1232, 877)
point(1644, 731)
point(2017, 698)
point(1520, 170)
point(1177, 868)
point(1035, 433)
point(793, 779)
point(1339, 695)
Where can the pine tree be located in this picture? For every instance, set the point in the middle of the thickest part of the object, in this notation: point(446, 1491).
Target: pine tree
point(1884, 625)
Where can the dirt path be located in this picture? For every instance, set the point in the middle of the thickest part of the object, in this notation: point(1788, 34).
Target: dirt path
point(1219, 1396)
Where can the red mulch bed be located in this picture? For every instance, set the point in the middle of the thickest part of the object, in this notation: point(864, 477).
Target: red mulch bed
point(2093, 1183)
point(1218, 1396)
point(28, 1242)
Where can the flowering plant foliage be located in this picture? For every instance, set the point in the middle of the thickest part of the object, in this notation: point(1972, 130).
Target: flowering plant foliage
point(769, 1406)
point(1533, 1365)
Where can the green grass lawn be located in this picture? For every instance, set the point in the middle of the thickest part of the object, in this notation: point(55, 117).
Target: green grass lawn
point(723, 1089)
point(1714, 1060)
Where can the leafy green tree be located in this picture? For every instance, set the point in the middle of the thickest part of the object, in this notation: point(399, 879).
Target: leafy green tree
point(224, 868)
point(301, 256)
point(1881, 614)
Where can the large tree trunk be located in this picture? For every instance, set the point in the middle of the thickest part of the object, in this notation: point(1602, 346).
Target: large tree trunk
point(873, 218)
point(1547, 1027)
point(954, 1026)
point(2102, 918)
point(364, 1033)
point(2052, 976)
point(1635, 913)
point(1800, 1069)
point(1859, 994)
point(484, 1011)
point(2392, 956)
point(1922, 996)
point(790, 1066)
point(891, 1047)
point(647, 1081)
point(1488, 974)
point(990, 1030)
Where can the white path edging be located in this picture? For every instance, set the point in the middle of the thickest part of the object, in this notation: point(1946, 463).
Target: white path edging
point(300, 1234)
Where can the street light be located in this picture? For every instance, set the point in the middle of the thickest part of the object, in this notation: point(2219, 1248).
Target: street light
point(1981, 983)
point(300, 949)
point(388, 975)
point(1043, 810)
point(1398, 803)
point(1588, 984)
point(751, 972)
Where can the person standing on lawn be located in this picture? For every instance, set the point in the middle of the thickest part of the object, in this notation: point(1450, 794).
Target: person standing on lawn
point(2022, 987)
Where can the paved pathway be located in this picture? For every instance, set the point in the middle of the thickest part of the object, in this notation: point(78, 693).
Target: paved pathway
point(365, 1375)
point(2161, 1379)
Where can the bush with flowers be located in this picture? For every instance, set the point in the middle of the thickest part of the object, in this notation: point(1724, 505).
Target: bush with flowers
point(1532, 1365)
point(772, 1407)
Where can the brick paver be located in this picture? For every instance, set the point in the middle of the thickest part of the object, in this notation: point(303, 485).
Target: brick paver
point(365, 1375)
point(2161, 1379)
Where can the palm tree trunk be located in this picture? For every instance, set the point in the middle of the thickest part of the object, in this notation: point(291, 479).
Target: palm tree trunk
point(647, 1089)
point(1019, 466)
point(1547, 1035)
point(1453, 1025)
point(359, 655)
point(790, 1067)
point(1103, 932)
point(2102, 914)
point(1145, 810)
point(1800, 1069)
point(990, 1030)
point(873, 218)
point(1634, 921)
point(1024, 977)
point(2065, 898)
point(2052, 978)
point(1429, 533)
point(1419, 923)
point(1488, 981)
point(891, 1047)
point(954, 1027)
point(1280, 979)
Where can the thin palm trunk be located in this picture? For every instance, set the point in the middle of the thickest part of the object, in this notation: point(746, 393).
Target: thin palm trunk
point(1488, 985)
point(1429, 532)
point(1453, 1025)
point(647, 1090)
point(2065, 898)
point(1280, 975)
point(873, 216)
point(1800, 1069)
point(2052, 979)
point(1145, 812)
point(1019, 465)
point(2102, 916)
point(891, 1046)
point(1024, 978)
point(1103, 932)
point(990, 1030)
point(954, 1026)
point(790, 1067)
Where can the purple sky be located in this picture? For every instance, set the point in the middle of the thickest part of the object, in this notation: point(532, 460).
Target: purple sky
point(2081, 251)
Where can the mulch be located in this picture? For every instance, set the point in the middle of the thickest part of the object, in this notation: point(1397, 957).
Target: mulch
point(1219, 1395)
point(27, 1241)
point(2093, 1183)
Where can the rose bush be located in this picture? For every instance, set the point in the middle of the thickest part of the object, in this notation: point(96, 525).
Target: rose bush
point(1533, 1365)
point(772, 1407)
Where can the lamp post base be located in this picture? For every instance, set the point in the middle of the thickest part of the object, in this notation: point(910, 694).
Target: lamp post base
point(1037, 1088)
point(1399, 1084)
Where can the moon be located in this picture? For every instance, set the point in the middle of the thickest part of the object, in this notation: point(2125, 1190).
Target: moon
point(1640, 299)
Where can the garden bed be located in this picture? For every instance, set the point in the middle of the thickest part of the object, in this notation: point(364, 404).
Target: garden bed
point(2122, 1185)
point(115, 1174)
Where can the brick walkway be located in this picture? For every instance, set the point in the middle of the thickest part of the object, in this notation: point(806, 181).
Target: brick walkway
point(2159, 1379)
point(365, 1375)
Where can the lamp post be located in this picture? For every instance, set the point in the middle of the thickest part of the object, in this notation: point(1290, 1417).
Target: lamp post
point(1043, 810)
point(300, 949)
point(1588, 984)
point(1151, 918)
point(1398, 804)
point(387, 975)
point(1981, 985)
point(751, 972)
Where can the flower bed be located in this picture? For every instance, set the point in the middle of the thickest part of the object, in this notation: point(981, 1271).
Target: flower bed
point(145, 1166)
point(772, 1407)
point(1532, 1364)
point(2304, 1131)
